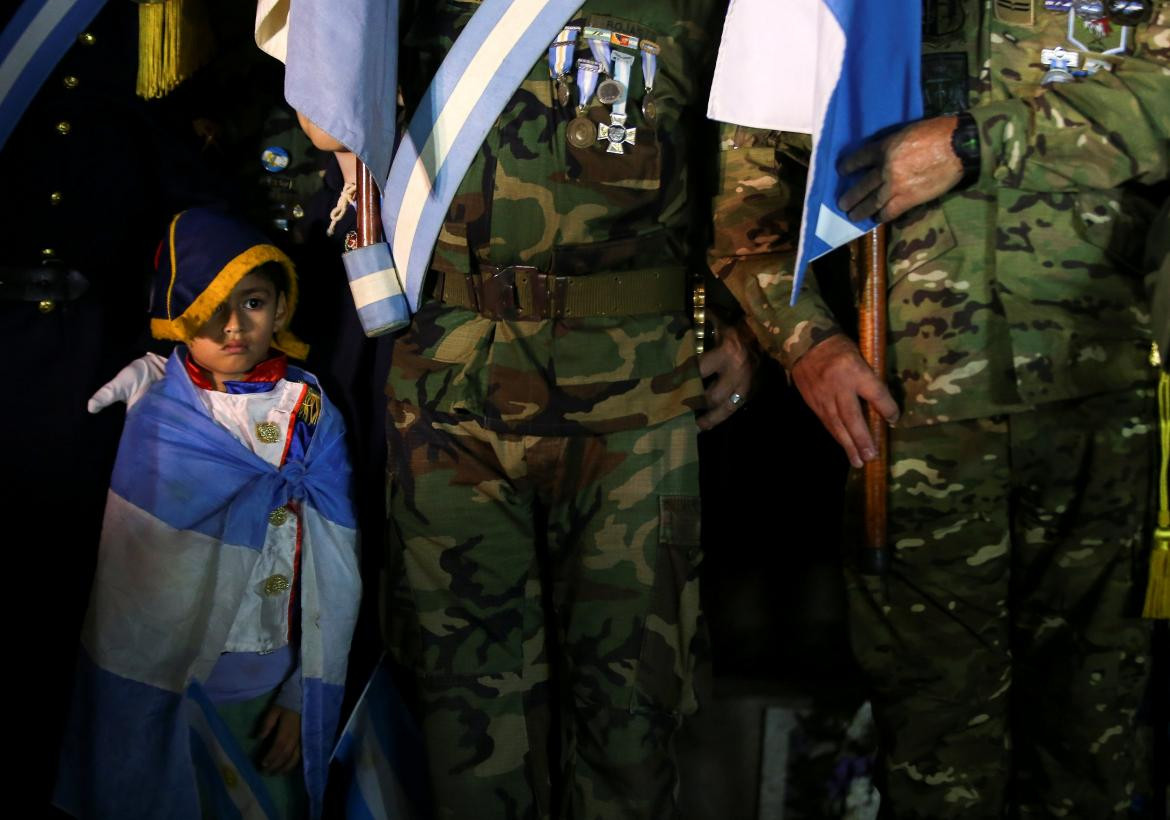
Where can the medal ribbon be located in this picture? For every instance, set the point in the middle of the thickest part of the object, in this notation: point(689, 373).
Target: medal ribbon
point(649, 64)
point(599, 44)
point(622, 66)
point(587, 74)
point(560, 53)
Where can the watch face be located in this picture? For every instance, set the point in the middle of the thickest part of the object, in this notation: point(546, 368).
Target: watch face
point(1128, 12)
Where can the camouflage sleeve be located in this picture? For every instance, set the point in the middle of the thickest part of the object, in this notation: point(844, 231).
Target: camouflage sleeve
point(1098, 132)
point(758, 201)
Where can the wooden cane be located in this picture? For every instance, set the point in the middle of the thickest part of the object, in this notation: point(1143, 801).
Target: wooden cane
point(869, 256)
point(369, 214)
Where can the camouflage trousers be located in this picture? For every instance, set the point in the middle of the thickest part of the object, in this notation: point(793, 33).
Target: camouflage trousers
point(1005, 657)
point(549, 603)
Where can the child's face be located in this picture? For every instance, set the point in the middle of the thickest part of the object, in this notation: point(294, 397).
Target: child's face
point(238, 335)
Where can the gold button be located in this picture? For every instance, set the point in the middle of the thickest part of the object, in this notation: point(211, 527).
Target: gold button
point(230, 778)
point(56, 197)
point(267, 432)
point(46, 305)
point(87, 38)
point(64, 127)
point(274, 585)
point(48, 253)
point(297, 211)
point(69, 81)
point(278, 516)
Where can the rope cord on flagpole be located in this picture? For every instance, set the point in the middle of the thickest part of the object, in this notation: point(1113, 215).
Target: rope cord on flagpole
point(348, 197)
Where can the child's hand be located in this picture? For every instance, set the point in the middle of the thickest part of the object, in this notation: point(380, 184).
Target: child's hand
point(282, 727)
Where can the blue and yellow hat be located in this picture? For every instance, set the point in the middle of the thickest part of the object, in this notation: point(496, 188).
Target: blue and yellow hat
point(205, 255)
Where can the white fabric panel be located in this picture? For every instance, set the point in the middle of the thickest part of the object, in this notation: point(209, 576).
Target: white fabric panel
point(324, 568)
point(239, 413)
point(153, 615)
point(762, 69)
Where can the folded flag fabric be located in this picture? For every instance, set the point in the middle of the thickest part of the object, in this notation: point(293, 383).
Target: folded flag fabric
point(864, 63)
point(185, 524)
point(380, 763)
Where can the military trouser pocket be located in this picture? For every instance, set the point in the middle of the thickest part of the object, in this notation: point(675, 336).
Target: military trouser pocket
point(666, 662)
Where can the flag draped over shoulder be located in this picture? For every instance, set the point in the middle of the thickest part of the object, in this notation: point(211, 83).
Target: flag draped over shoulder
point(185, 524)
point(841, 70)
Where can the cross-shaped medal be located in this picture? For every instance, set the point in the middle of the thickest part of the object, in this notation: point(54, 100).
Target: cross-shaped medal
point(617, 135)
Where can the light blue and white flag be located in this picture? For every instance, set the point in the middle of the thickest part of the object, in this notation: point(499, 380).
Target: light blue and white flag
point(841, 70)
point(380, 763)
point(182, 539)
point(31, 45)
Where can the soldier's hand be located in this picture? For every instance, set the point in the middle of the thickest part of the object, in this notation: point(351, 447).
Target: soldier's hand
point(907, 168)
point(733, 363)
point(833, 378)
point(130, 384)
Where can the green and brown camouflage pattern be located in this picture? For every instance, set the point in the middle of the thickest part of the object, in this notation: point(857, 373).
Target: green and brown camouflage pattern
point(1026, 288)
point(544, 474)
point(1002, 643)
point(500, 535)
point(530, 198)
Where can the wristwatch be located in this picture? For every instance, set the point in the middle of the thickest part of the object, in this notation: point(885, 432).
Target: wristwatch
point(965, 144)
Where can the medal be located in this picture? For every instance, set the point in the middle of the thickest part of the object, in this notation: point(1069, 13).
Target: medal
point(560, 61)
point(649, 72)
point(616, 135)
point(1060, 63)
point(579, 131)
point(610, 91)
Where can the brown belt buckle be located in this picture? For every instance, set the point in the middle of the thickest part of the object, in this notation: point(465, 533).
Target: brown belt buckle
point(548, 295)
point(497, 297)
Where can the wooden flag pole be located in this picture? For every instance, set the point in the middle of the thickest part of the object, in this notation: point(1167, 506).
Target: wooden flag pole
point(869, 256)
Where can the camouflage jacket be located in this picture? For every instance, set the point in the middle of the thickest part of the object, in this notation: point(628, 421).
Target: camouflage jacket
point(1027, 287)
point(531, 198)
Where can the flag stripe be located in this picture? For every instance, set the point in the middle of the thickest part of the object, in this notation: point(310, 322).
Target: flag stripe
point(475, 81)
point(31, 45)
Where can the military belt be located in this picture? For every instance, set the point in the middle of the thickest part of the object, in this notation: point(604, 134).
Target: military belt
point(39, 283)
point(524, 293)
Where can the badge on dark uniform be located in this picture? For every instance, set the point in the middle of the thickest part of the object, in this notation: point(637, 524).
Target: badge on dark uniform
point(274, 159)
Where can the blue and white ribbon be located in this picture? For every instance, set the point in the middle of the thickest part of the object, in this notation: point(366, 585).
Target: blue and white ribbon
point(477, 78)
point(560, 53)
point(31, 45)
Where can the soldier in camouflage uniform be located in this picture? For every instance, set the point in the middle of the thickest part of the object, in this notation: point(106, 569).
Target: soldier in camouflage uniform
point(543, 466)
point(1004, 654)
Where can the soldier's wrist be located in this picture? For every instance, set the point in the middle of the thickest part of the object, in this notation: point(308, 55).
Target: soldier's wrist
point(966, 147)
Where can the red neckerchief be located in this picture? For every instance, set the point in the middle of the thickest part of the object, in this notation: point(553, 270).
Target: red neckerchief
point(268, 371)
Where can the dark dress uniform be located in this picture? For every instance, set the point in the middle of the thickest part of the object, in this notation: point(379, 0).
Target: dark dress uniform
point(92, 174)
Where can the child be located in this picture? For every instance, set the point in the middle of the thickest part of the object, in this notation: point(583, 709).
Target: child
point(214, 650)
